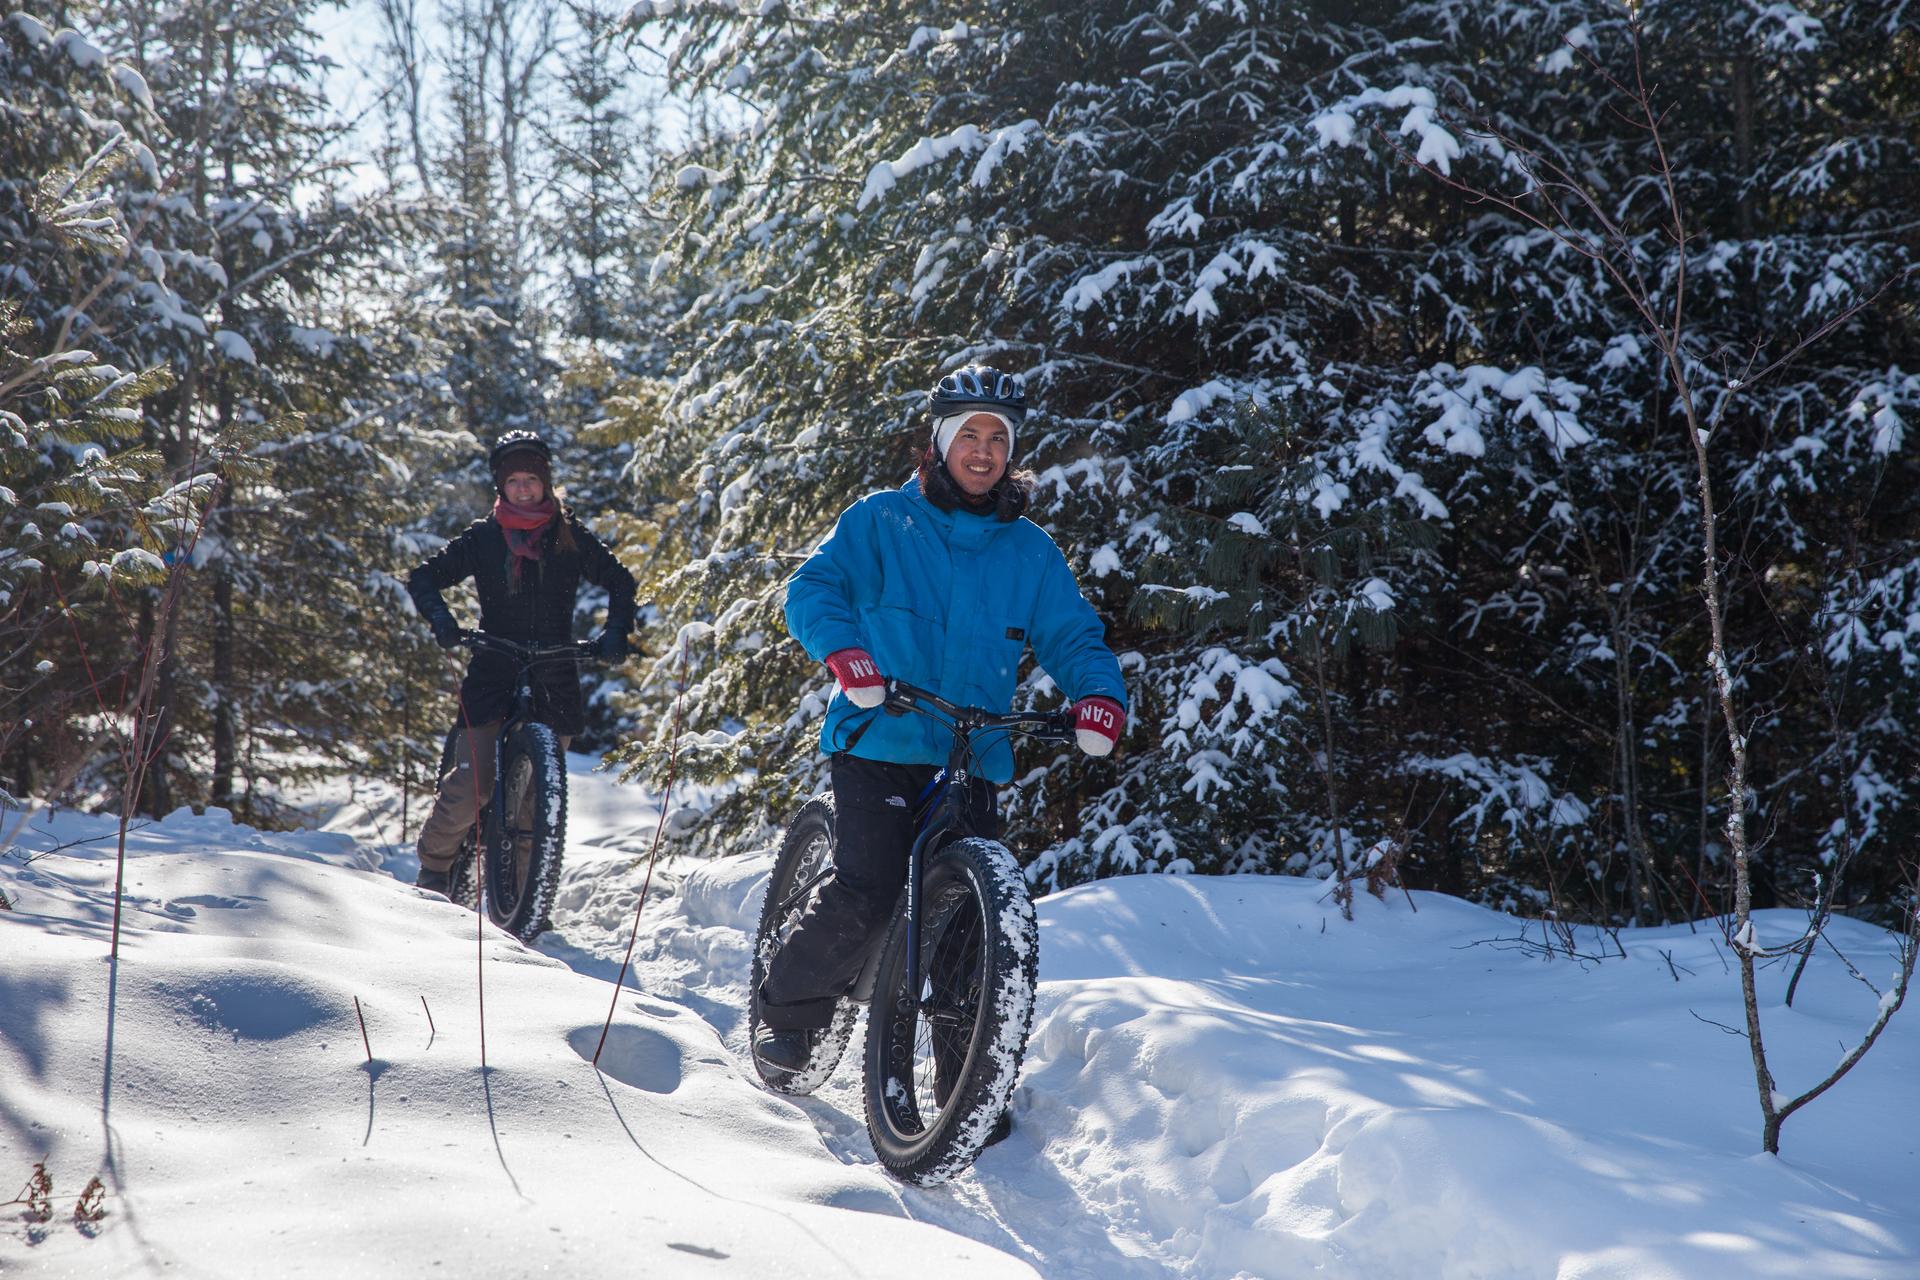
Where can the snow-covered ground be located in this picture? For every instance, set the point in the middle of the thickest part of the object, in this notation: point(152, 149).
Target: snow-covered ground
point(1226, 1080)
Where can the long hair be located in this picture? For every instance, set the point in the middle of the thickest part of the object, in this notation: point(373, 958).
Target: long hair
point(1007, 500)
point(563, 522)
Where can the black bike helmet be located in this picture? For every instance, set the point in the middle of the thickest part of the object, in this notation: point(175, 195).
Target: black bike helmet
point(979, 386)
point(518, 442)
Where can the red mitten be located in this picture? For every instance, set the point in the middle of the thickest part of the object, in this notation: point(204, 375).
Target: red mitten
point(1097, 722)
point(855, 671)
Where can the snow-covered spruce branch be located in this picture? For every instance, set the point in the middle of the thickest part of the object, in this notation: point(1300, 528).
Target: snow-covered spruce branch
point(279, 264)
point(75, 311)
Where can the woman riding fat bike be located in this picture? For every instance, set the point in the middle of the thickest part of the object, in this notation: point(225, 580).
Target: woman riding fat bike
point(528, 557)
point(941, 585)
point(508, 863)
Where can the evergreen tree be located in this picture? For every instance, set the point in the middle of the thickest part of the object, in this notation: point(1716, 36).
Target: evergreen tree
point(1253, 207)
point(79, 531)
point(283, 630)
point(599, 150)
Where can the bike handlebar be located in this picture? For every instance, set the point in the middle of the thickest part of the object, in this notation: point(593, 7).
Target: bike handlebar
point(1047, 726)
point(581, 650)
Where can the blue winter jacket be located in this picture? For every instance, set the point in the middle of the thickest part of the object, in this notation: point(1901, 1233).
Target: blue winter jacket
point(946, 600)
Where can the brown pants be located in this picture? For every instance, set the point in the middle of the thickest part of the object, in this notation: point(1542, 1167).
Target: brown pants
point(455, 807)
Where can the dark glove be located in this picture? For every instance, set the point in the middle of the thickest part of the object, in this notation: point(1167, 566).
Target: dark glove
point(446, 632)
point(612, 645)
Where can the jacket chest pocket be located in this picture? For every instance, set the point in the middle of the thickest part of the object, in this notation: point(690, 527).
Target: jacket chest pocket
point(998, 639)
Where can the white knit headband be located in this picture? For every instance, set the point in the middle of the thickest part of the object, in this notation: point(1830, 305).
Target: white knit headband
point(945, 429)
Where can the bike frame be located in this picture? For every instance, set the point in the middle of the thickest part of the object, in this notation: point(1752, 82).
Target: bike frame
point(526, 658)
point(949, 818)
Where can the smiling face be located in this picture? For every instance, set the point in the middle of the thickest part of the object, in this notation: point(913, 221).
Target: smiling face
point(977, 458)
point(523, 488)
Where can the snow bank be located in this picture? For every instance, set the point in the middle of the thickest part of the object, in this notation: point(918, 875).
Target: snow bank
point(1226, 1080)
point(246, 1133)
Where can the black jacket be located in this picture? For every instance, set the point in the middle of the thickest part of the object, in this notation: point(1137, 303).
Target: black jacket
point(540, 612)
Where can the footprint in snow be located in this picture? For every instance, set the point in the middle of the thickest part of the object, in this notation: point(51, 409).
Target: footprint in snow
point(638, 1057)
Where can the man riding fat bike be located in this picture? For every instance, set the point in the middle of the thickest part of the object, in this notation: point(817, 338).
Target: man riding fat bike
point(943, 584)
point(527, 557)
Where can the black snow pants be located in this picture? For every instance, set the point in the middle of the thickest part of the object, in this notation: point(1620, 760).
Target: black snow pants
point(873, 833)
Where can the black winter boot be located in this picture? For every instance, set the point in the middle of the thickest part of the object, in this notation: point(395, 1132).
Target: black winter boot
point(432, 881)
point(783, 1050)
point(1002, 1129)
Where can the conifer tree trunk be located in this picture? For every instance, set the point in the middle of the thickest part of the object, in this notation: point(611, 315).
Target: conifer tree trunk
point(1743, 137)
point(224, 692)
point(156, 628)
point(1343, 892)
point(1640, 871)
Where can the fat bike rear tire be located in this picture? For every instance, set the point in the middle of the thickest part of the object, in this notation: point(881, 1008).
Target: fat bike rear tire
point(804, 861)
point(941, 1062)
point(523, 836)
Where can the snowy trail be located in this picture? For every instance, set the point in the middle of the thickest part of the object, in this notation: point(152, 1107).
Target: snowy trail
point(694, 954)
point(1226, 1080)
point(247, 1133)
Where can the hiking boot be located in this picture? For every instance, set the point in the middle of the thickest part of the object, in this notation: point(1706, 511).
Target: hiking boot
point(783, 1050)
point(1002, 1129)
point(432, 881)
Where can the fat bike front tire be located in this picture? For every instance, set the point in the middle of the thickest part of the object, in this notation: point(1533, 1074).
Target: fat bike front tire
point(523, 836)
point(804, 861)
point(941, 1062)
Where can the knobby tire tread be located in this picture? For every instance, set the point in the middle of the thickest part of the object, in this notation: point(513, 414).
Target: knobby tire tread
point(815, 818)
point(998, 1042)
point(527, 918)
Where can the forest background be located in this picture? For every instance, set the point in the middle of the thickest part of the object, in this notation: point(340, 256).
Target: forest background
point(1382, 487)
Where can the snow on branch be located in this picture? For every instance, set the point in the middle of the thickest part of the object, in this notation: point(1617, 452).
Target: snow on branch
point(1251, 694)
point(34, 31)
point(647, 10)
point(82, 52)
point(1468, 400)
point(1337, 125)
point(1786, 28)
point(1195, 401)
point(184, 498)
point(997, 144)
point(1089, 290)
point(1875, 405)
point(234, 347)
point(1509, 792)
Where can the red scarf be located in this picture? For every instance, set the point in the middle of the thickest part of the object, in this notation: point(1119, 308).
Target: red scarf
point(523, 527)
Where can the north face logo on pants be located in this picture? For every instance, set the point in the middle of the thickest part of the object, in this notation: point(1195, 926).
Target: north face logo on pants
point(898, 802)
